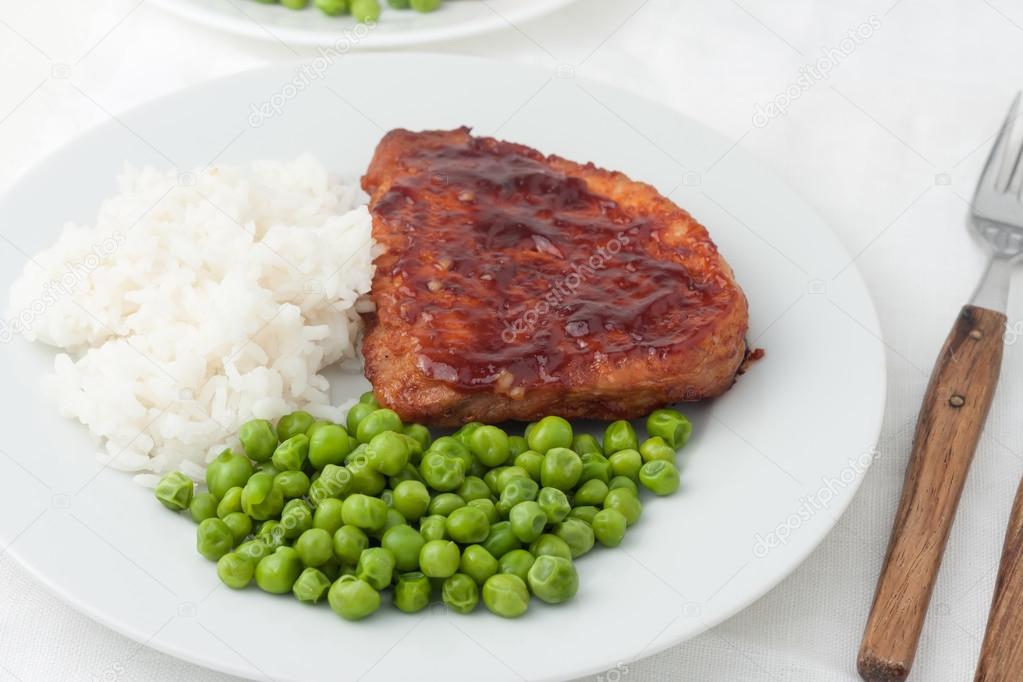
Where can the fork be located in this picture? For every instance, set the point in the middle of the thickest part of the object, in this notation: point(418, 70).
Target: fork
point(948, 428)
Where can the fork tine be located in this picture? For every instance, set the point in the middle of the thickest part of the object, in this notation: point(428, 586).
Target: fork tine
point(996, 159)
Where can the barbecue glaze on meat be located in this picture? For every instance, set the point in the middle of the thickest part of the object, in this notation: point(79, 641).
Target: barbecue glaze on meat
point(515, 285)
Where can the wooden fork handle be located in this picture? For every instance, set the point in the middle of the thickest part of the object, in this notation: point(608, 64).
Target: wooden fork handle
point(951, 419)
point(1001, 655)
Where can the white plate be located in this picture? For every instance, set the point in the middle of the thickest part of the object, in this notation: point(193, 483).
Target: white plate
point(454, 19)
point(772, 465)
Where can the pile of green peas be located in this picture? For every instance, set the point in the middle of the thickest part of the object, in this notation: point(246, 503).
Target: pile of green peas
point(342, 512)
point(364, 11)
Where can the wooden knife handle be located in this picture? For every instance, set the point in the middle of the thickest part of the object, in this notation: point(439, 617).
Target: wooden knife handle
point(1001, 656)
point(951, 419)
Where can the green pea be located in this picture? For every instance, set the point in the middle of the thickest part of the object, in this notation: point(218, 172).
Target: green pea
point(501, 540)
point(657, 448)
point(463, 434)
point(595, 466)
point(506, 594)
point(509, 474)
point(623, 482)
point(625, 502)
point(235, 570)
point(549, 433)
point(577, 534)
point(258, 439)
point(356, 415)
point(409, 473)
point(316, 426)
point(531, 462)
point(554, 503)
point(516, 562)
point(363, 511)
point(315, 547)
point(439, 558)
point(328, 444)
point(517, 445)
point(584, 513)
point(376, 422)
point(253, 550)
point(609, 527)
point(351, 598)
point(490, 445)
point(451, 448)
point(528, 520)
point(267, 467)
point(473, 488)
point(477, 563)
point(277, 572)
point(412, 593)
point(394, 518)
point(405, 543)
point(412, 499)
point(424, 5)
point(561, 469)
point(444, 504)
point(585, 443)
point(203, 506)
point(553, 579)
point(296, 518)
point(619, 436)
point(292, 484)
point(214, 539)
point(291, 454)
point(388, 453)
point(468, 525)
point(230, 503)
point(659, 477)
point(365, 479)
point(271, 533)
point(376, 566)
point(460, 593)
point(671, 425)
point(550, 545)
point(369, 398)
point(311, 586)
point(174, 491)
point(227, 471)
point(349, 543)
point(331, 569)
point(626, 463)
point(442, 472)
point(240, 525)
point(487, 507)
point(517, 490)
point(333, 482)
point(434, 528)
point(399, 4)
point(490, 478)
point(591, 492)
point(293, 424)
point(420, 434)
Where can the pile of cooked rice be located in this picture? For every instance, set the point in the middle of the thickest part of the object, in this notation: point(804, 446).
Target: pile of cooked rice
point(197, 302)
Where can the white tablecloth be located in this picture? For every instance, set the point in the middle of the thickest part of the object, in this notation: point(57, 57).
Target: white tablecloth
point(880, 112)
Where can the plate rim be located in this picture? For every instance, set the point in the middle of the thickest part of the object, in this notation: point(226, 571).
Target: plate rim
point(797, 558)
point(315, 38)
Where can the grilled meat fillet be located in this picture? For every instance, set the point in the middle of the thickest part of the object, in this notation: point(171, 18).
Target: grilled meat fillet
point(515, 285)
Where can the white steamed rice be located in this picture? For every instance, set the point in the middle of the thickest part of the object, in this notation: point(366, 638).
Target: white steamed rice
point(198, 302)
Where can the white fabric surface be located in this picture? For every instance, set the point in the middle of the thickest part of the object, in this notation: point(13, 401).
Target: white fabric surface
point(887, 147)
